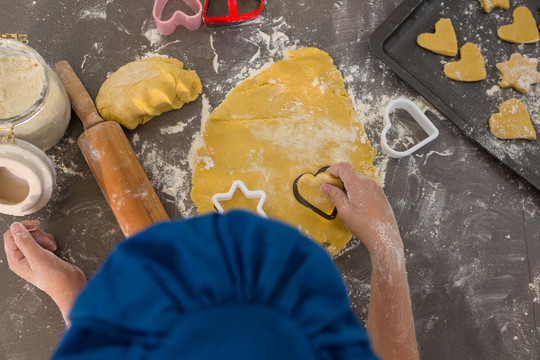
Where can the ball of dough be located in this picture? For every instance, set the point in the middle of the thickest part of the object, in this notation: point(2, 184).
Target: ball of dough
point(143, 89)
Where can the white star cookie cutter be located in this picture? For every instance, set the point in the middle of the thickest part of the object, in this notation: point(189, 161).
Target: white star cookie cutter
point(418, 116)
point(248, 194)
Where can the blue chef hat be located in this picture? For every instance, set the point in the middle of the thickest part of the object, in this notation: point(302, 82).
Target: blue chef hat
point(232, 286)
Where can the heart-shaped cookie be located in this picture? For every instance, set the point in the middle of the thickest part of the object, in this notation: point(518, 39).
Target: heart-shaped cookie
point(512, 121)
point(471, 67)
point(307, 191)
point(523, 30)
point(490, 4)
point(443, 41)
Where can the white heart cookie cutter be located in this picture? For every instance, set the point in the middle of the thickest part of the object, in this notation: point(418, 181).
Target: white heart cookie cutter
point(249, 194)
point(418, 116)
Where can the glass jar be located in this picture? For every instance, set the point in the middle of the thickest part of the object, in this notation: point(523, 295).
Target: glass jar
point(34, 105)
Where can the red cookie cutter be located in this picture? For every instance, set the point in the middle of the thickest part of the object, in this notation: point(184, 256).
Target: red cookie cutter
point(166, 27)
point(233, 17)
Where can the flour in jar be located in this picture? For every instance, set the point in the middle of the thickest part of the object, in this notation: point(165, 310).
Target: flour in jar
point(34, 106)
point(21, 83)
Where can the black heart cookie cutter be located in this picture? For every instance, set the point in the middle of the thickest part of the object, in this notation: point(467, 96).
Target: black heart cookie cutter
point(304, 202)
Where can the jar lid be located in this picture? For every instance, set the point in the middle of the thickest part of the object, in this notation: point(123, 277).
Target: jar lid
point(27, 178)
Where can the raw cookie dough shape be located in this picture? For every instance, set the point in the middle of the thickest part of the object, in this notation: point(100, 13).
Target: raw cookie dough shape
point(307, 191)
point(519, 72)
point(143, 89)
point(291, 118)
point(488, 5)
point(512, 121)
point(471, 67)
point(443, 41)
point(523, 30)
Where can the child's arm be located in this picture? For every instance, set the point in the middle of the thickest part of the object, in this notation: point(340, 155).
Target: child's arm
point(364, 209)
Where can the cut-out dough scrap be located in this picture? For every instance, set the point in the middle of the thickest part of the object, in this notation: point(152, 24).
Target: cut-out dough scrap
point(443, 41)
point(293, 117)
point(519, 72)
point(523, 30)
point(512, 121)
point(471, 67)
point(489, 5)
point(308, 187)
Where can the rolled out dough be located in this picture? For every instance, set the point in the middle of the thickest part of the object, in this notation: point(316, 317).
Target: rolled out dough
point(294, 117)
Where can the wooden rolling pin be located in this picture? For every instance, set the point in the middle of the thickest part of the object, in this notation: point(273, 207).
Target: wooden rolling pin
point(112, 161)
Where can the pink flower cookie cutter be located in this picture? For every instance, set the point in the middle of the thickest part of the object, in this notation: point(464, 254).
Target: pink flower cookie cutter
point(418, 116)
point(249, 194)
point(167, 27)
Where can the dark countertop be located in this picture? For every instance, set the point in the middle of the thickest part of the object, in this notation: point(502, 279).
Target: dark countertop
point(470, 226)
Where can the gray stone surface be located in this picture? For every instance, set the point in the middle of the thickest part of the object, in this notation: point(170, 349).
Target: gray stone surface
point(470, 226)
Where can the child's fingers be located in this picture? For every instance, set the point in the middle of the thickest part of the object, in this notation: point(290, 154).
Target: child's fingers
point(31, 225)
point(338, 196)
point(25, 242)
point(45, 240)
point(14, 255)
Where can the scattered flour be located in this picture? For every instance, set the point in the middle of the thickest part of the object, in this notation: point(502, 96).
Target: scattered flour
point(153, 36)
point(534, 287)
point(96, 11)
point(215, 62)
point(168, 173)
point(175, 129)
point(493, 90)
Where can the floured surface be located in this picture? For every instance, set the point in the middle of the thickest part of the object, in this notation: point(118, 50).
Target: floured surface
point(293, 118)
point(470, 227)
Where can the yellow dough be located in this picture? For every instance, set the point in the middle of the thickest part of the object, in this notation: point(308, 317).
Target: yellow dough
point(443, 41)
point(143, 89)
point(519, 73)
point(309, 188)
point(512, 121)
point(490, 4)
point(293, 118)
point(523, 30)
point(471, 67)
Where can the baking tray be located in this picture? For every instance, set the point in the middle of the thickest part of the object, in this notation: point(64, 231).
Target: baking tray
point(467, 105)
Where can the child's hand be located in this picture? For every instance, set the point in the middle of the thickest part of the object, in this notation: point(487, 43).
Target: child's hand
point(364, 209)
point(29, 255)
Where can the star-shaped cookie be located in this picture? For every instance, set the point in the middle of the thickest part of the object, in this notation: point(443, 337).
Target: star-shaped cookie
point(490, 4)
point(519, 72)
